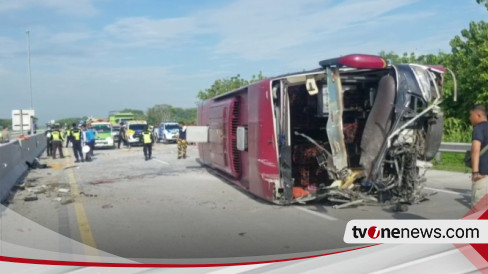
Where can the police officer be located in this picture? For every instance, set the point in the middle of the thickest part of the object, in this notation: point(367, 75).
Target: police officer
point(76, 136)
point(49, 148)
point(182, 144)
point(147, 139)
point(68, 136)
point(57, 142)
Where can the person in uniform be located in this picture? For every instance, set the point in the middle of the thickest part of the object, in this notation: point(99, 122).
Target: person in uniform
point(182, 144)
point(68, 135)
point(76, 138)
point(147, 139)
point(49, 148)
point(57, 142)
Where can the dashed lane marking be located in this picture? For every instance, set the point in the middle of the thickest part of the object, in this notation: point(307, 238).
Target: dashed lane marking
point(321, 215)
point(162, 162)
point(447, 191)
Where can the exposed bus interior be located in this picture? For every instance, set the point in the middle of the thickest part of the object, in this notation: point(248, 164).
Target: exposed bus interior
point(308, 115)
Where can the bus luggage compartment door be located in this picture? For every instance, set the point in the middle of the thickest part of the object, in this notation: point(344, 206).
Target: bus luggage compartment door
point(197, 134)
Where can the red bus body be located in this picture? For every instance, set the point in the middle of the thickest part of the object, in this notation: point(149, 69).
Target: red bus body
point(354, 124)
point(256, 169)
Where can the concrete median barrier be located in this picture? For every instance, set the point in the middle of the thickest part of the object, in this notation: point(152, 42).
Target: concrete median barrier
point(13, 156)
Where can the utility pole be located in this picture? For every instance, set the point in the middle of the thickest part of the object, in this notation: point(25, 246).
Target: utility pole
point(27, 32)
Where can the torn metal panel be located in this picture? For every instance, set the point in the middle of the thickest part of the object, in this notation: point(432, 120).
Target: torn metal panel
point(334, 124)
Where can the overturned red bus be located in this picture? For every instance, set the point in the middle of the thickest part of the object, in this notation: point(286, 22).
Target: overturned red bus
point(354, 129)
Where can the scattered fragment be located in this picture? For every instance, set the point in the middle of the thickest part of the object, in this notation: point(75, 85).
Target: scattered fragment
point(63, 190)
point(40, 190)
point(67, 201)
point(87, 195)
point(99, 182)
point(30, 198)
point(108, 206)
point(21, 186)
point(57, 199)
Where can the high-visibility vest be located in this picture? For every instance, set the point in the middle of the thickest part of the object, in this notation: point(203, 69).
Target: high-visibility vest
point(68, 132)
point(76, 134)
point(146, 136)
point(56, 134)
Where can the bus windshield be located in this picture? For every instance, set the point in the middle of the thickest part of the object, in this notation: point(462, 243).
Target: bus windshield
point(102, 128)
point(171, 127)
point(137, 126)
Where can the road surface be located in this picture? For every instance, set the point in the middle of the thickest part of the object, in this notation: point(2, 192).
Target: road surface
point(175, 209)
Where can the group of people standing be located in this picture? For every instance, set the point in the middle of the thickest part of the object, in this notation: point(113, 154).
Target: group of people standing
point(86, 136)
point(78, 138)
point(147, 140)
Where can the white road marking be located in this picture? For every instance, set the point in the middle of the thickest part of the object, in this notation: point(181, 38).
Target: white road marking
point(321, 215)
point(162, 162)
point(447, 191)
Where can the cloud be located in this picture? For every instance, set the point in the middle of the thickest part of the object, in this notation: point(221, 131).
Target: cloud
point(253, 29)
point(146, 32)
point(268, 29)
point(10, 48)
point(69, 37)
point(76, 7)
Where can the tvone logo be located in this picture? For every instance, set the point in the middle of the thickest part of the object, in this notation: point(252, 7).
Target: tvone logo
point(373, 232)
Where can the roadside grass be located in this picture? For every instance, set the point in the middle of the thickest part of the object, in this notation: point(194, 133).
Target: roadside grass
point(450, 161)
point(457, 131)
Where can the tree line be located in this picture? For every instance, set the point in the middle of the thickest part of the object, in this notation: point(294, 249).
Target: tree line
point(154, 115)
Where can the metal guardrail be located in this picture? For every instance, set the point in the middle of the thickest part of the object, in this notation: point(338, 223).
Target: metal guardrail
point(455, 147)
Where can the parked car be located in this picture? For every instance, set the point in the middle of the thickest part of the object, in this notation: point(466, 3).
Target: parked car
point(168, 132)
point(104, 135)
point(134, 131)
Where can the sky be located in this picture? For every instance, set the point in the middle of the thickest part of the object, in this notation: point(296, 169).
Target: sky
point(89, 57)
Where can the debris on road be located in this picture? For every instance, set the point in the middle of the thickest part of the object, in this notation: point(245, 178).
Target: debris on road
point(35, 164)
point(87, 195)
point(30, 198)
point(67, 201)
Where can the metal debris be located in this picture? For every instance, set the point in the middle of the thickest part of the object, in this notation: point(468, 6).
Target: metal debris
point(30, 198)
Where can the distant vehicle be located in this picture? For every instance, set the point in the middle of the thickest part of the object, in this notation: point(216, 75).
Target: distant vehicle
point(134, 131)
point(168, 132)
point(355, 130)
point(4, 135)
point(120, 117)
point(104, 136)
